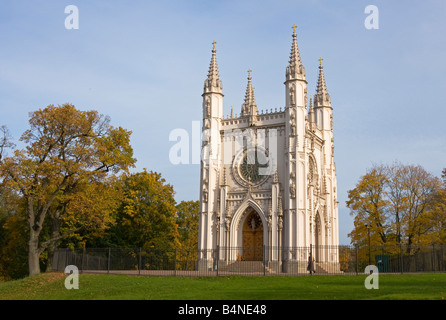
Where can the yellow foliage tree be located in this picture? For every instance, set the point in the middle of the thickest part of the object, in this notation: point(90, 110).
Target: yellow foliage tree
point(395, 204)
point(65, 148)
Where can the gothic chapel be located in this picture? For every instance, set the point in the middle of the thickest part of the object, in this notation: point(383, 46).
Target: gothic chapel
point(268, 178)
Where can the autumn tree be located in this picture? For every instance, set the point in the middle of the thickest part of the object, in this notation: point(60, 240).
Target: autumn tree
point(65, 148)
point(395, 203)
point(418, 190)
point(437, 215)
point(368, 204)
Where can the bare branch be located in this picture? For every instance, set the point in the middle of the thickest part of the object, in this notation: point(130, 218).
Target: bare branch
point(5, 140)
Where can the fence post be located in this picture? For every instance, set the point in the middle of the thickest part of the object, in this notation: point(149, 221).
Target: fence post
point(66, 258)
point(433, 257)
point(82, 260)
point(108, 261)
point(139, 262)
point(312, 266)
point(356, 247)
point(401, 258)
point(218, 256)
point(175, 268)
point(442, 265)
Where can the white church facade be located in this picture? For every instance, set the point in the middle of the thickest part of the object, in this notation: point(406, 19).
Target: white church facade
point(268, 178)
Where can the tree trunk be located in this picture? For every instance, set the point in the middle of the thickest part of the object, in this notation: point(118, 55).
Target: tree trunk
point(33, 254)
point(55, 233)
point(33, 243)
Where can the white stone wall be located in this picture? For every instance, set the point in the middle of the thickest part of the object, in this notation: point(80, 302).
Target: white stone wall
point(298, 207)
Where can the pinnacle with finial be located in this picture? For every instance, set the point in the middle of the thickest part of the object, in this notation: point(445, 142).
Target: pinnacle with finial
point(295, 69)
point(249, 106)
point(321, 86)
point(213, 82)
point(321, 98)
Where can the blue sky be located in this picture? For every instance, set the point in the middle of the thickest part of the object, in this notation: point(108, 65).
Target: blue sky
point(143, 63)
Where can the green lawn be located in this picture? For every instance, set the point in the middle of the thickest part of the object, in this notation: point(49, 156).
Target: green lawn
point(105, 287)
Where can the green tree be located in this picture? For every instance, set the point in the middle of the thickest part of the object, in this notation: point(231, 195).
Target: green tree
point(187, 221)
point(13, 235)
point(146, 217)
point(13, 248)
point(83, 212)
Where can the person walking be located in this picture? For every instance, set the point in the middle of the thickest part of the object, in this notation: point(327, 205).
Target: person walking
point(310, 266)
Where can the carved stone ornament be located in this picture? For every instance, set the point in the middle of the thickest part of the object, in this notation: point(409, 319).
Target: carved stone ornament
point(292, 97)
point(280, 224)
point(208, 108)
point(293, 190)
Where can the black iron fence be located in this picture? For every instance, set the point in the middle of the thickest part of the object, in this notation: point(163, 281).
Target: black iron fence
point(254, 261)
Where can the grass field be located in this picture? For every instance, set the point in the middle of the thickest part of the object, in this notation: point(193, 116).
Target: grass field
point(50, 286)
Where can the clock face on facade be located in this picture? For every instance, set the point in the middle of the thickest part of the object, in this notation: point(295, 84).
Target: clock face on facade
point(252, 167)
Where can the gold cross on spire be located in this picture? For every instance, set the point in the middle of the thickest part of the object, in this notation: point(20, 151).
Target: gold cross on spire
point(320, 60)
point(294, 28)
point(249, 73)
point(213, 44)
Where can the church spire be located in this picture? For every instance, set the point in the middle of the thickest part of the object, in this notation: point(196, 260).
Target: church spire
point(322, 98)
point(213, 82)
point(295, 69)
point(249, 107)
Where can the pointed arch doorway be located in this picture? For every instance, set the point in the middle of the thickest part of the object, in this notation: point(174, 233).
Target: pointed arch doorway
point(252, 236)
